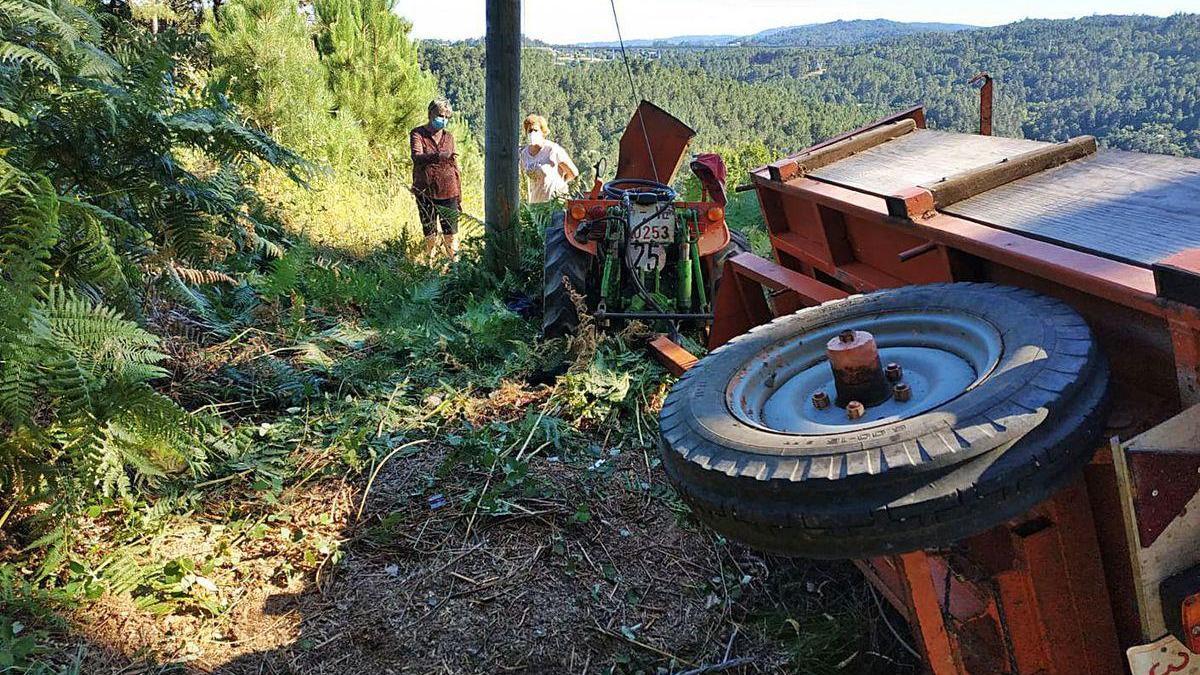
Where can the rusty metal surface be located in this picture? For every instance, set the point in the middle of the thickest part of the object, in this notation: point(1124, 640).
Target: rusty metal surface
point(653, 132)
point(674, 358)
point(1059, 582)
point(1128, 206)
point(1177, 277)
point(742, 301)
point(985, 103)
point(921, 157)
point(1163, 483)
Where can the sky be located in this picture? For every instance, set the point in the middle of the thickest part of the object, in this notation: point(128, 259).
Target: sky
point(569, 21)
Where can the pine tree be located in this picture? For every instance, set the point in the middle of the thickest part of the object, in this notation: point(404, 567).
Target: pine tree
point(374, 71)
point(266, 62)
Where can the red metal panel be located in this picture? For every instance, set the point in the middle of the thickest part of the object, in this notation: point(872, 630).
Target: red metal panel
point(741, 300)
point(1163, 484)
point(1069, 587)
point(653, 133)
point(940, 654)
point(674, 358)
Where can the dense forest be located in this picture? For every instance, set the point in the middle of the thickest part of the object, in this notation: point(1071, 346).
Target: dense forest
point(1134, 82)
point(244, 429)
point(809, 35)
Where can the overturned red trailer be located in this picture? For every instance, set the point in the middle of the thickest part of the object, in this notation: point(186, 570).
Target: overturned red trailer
point(1101, 572)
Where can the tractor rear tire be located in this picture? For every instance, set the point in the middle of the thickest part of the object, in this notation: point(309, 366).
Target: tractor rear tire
point(992, 452)
point(564, 267)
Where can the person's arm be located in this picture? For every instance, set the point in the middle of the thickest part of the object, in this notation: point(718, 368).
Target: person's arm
point(566, 168)
point(416, 148)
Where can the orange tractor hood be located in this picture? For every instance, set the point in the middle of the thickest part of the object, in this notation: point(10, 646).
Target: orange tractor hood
point(653, 145)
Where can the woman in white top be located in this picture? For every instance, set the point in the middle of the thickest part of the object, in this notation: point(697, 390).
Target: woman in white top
point(548, 168)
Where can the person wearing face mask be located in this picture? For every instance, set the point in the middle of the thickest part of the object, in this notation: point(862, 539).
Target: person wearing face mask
point(548, 168)
point(436, 182)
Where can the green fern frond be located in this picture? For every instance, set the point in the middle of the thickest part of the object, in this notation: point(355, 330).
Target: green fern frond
point(91, 259)
point(88, 26)
point(9, 117)
point(42, 16)
point(19, 381)
point(122, 573)
point(97, 337)
point(28, 231)
point(16, 54)
point(96, 63)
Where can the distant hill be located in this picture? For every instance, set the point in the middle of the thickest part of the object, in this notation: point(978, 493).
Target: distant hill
point(831, 34)
point(677, 41)
point(838, 33)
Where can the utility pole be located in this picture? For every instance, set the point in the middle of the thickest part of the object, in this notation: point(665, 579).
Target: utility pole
point(501, 182)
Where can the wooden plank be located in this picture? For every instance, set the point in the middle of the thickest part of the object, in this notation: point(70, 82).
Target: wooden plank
point(836, 152)
point(674, 358)
point(1127, 206)
point(919, 158)
point(773, 170)
point(977, 180)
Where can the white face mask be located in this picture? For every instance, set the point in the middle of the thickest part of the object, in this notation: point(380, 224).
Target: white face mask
point(536, 137)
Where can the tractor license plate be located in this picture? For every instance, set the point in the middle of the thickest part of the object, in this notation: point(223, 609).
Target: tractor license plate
point(654, 232)
point(647, 248)
point(1163, 657)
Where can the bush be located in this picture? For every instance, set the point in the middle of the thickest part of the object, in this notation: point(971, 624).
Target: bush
point(115, 189)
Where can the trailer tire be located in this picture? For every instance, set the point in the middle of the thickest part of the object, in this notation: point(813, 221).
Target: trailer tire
point(985, 456)
point(563, 267)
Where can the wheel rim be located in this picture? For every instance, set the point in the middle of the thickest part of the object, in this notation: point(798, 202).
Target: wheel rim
point(943, 355)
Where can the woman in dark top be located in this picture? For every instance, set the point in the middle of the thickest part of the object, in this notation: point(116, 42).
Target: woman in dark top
point(435, 179)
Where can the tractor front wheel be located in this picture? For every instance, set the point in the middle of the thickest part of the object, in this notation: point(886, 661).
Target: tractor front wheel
point(565, 270)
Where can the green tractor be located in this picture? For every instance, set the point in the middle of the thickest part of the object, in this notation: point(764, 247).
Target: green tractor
point(630, 249)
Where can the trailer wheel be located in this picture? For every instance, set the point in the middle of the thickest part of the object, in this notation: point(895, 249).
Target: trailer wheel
point(563, 264)
point(1008, 399)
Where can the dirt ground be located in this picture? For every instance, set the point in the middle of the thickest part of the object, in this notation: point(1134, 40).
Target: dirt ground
point(412, 586)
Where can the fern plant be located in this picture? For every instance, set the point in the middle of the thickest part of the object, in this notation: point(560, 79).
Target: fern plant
point(121, 176)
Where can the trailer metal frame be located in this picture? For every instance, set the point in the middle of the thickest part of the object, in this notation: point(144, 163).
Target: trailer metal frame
point(1067, 587)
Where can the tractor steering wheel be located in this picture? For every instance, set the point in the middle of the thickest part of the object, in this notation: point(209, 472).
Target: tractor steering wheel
point(639, 190)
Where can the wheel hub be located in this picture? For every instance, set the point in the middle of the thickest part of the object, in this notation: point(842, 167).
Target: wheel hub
point(788, 387)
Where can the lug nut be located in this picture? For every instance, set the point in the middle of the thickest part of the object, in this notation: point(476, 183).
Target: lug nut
point(846, 335)
point(855, 410)
point(902, 392)
point(820, 400)
point(894, 372)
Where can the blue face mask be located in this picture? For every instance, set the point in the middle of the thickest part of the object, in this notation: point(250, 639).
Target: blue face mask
point(440, 122)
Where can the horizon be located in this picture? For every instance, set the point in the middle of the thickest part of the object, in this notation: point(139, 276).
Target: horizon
point(582, 21)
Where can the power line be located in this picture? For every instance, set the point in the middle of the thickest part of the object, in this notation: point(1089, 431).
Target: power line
point(637, 98)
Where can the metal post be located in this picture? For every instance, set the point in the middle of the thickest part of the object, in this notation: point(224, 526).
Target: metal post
point(985, 103)
point(501, 182)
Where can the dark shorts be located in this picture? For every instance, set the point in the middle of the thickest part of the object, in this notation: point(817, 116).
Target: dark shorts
point(433, 210)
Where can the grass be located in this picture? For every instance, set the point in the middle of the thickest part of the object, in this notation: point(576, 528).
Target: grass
point(400, 455)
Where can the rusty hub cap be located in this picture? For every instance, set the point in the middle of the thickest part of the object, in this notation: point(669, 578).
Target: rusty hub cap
point(939, 355)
